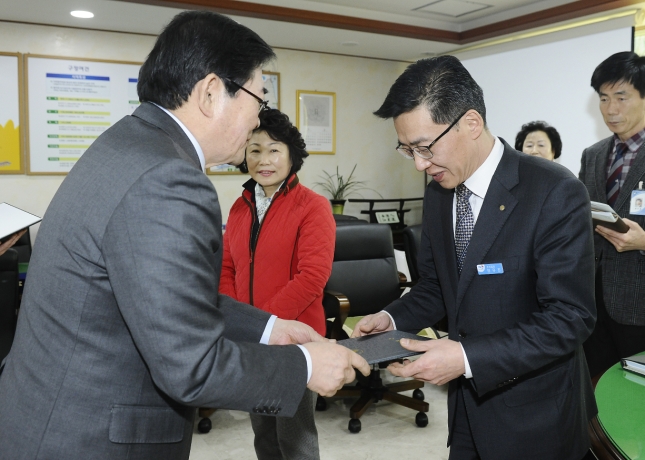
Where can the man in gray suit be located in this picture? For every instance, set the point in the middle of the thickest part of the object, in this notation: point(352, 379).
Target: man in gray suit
point(122, 331)
point(507, 255)
point(613, 171)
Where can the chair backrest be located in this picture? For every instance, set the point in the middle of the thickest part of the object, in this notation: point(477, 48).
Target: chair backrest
point(23, 247)
point(411, 244)
point(8, 299)
point(342, 219)
point(364, 268)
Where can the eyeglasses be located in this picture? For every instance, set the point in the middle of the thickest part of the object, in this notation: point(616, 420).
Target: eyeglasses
point(263, 104)
point(423, 151)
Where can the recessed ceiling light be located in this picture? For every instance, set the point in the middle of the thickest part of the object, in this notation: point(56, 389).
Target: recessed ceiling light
point(82, 14)
point(349, 43)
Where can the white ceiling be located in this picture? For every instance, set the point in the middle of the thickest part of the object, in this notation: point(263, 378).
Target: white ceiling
point(451, 15)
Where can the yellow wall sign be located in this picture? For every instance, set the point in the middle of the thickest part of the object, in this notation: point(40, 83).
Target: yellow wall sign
point(11, 145)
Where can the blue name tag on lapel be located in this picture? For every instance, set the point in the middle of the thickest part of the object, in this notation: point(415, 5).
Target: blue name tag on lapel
point(490, 269)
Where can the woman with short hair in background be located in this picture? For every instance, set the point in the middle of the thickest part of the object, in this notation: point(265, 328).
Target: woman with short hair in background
point(538, 138)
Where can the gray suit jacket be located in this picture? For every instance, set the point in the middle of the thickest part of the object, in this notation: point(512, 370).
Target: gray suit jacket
point(122, 330)
point(530, 396)
point(623, 273)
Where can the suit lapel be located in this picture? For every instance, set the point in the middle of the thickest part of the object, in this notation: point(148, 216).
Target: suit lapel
point(601, 170)
point(636, 172)
point(498, 205)
point(445, 228)
point(153, 115)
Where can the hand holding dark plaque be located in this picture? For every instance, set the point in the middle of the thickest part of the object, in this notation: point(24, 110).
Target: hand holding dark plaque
point(382, 347)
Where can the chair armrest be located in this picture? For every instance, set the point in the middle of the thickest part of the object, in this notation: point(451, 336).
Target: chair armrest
point(336, 306)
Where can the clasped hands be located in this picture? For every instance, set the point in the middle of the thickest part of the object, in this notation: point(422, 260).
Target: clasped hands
point(332, 365)
point(442, 360)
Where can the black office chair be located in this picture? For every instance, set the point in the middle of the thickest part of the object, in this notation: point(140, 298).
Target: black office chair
point(8, 300)
point(411, 243)
point(343, 219)
point(23, 247)
point(364, 280)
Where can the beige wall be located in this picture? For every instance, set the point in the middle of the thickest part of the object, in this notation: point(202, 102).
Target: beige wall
point(360, 86)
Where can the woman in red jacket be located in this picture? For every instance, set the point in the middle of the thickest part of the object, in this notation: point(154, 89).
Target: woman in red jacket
point(278, 253)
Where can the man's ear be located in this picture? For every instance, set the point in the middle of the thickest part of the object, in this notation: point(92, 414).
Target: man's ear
point(209, 92)
point(475, 123)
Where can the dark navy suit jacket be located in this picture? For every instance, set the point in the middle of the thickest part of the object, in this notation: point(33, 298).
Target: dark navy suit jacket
point(530, 396)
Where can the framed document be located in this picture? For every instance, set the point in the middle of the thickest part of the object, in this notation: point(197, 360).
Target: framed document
point(11, 115)
point(316, 120)
point(272, 86)
point(222, 169)
point(70, 102)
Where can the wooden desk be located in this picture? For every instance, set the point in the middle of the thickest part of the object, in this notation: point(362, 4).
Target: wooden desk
point(618, 432)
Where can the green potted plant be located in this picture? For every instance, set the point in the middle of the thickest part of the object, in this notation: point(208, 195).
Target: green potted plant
point(340, 188)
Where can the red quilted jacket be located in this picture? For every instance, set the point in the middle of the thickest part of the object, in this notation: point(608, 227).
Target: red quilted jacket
point(286, 273)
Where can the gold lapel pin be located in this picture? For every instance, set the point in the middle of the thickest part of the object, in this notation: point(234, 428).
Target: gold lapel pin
point(502, 207)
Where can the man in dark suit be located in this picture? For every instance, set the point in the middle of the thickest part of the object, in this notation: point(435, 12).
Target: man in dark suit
point(122, 331)
point(507, 254)
point(613, 170)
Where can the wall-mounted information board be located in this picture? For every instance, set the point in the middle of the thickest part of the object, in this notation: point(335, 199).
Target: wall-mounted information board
point(70, 102)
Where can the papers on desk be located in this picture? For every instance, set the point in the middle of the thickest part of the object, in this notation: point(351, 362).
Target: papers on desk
point(605, 216)
point(635, 364)
point(13, 219)
point(382, 347)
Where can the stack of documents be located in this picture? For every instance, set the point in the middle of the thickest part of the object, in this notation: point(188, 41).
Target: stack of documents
point(635, 364)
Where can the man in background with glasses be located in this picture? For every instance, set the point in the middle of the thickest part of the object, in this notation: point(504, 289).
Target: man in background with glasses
point(122, 332)
point(507, 254)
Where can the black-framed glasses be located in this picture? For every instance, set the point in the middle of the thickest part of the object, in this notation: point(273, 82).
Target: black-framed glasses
point(263, 104)
point(423, 151)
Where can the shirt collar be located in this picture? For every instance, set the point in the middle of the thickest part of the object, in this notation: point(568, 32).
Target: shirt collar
point(633, 143)
point(478, 183)
point(198, 148)
point(259, 191)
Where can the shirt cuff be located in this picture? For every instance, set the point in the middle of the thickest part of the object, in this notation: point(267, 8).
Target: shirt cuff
point(308, 358)
point(468, 374)
point(391, 319)
point(268, 330)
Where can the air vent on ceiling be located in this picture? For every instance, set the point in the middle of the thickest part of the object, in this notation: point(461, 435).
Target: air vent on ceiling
point(453, 8)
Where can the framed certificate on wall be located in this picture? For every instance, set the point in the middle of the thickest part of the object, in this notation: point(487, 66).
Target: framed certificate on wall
point(272, 88)
point(316, 120)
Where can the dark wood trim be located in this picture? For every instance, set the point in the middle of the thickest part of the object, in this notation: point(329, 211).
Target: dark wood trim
point(601, 446)
point(573, 10)
point(542, 18)
point(312, 18)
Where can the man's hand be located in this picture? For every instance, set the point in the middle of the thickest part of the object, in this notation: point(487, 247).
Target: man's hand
point(371, 324)
point(633, 240)
point(11, 241)
point(442, 361)
point(287, 332)
point(333, 366)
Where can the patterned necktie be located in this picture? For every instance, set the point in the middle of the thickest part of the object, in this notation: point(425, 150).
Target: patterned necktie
point(613, 178)
point(465, 224)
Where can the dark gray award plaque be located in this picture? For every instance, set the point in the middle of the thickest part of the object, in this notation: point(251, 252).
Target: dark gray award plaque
point(382, 347)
